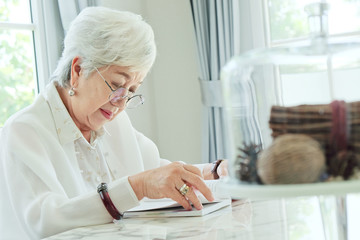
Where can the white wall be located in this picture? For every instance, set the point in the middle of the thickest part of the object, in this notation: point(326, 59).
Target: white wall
point(171, 116)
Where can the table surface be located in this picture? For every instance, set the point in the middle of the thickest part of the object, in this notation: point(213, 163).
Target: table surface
point(286, 218)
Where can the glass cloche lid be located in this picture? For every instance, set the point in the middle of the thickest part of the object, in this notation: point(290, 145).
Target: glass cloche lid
point(293, 111)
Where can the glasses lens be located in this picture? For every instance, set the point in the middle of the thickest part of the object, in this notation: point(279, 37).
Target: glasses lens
point(118, 95)
point(135, 101)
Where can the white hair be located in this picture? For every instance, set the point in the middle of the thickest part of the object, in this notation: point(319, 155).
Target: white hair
point(102, 37)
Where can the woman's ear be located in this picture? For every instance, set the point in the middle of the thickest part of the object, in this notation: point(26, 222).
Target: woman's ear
point(75, 71)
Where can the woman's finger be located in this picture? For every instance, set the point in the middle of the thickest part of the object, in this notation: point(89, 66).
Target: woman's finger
point(194, 199)
point(190, 196)
point(193, 169)
point(177, 196)
point(197, 182)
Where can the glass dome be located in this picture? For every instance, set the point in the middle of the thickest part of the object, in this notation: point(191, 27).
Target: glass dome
point(293, 111)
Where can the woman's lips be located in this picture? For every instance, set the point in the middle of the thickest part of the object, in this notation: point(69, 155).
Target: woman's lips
point(107, 114)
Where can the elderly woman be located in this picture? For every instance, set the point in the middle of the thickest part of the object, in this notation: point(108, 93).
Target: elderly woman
point(72, 158)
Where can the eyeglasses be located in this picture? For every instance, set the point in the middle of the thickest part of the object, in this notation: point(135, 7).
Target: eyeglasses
point(117, 95)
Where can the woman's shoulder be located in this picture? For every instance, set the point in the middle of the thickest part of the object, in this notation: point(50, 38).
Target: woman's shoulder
point(37, 116)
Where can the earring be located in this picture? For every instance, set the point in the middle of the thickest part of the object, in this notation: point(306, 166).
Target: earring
point(71, 92)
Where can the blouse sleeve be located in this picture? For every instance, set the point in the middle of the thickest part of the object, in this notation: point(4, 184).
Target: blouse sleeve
point(149, 152)
point(42, 204)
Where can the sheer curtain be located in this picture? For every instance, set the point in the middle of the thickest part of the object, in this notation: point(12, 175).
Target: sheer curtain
point(217, 34)
point(48, 36)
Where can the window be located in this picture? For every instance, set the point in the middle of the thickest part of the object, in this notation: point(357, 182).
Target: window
point(288, 20)
point(287, 23)
point(18, 84)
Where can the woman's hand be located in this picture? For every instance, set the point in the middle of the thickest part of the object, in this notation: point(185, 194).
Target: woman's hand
point(221, 170)
point(165, 182)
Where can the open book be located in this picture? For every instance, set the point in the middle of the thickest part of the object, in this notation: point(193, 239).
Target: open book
point(166, 207)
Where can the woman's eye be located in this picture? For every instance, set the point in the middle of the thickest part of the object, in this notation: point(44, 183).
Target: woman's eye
point(134, 89)
point(116, 85)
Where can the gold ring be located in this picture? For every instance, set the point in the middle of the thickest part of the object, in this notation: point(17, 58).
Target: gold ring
point(184, 189)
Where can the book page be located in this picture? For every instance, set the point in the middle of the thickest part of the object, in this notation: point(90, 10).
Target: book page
point(213, 185)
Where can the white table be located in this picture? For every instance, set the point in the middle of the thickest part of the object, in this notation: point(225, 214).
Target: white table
point(287, 218)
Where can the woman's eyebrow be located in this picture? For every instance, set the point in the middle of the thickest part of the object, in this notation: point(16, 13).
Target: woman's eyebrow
point(127, 76)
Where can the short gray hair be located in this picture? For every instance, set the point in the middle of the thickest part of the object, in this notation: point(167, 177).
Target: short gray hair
point(102, 37)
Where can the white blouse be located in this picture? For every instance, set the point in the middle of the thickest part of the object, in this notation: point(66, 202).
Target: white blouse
point(50, 172)
point(92, 164)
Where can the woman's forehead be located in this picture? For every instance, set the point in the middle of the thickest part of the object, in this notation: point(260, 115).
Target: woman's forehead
point(126, 73)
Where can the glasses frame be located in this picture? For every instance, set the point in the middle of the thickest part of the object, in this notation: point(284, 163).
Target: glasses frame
point(129, 94)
